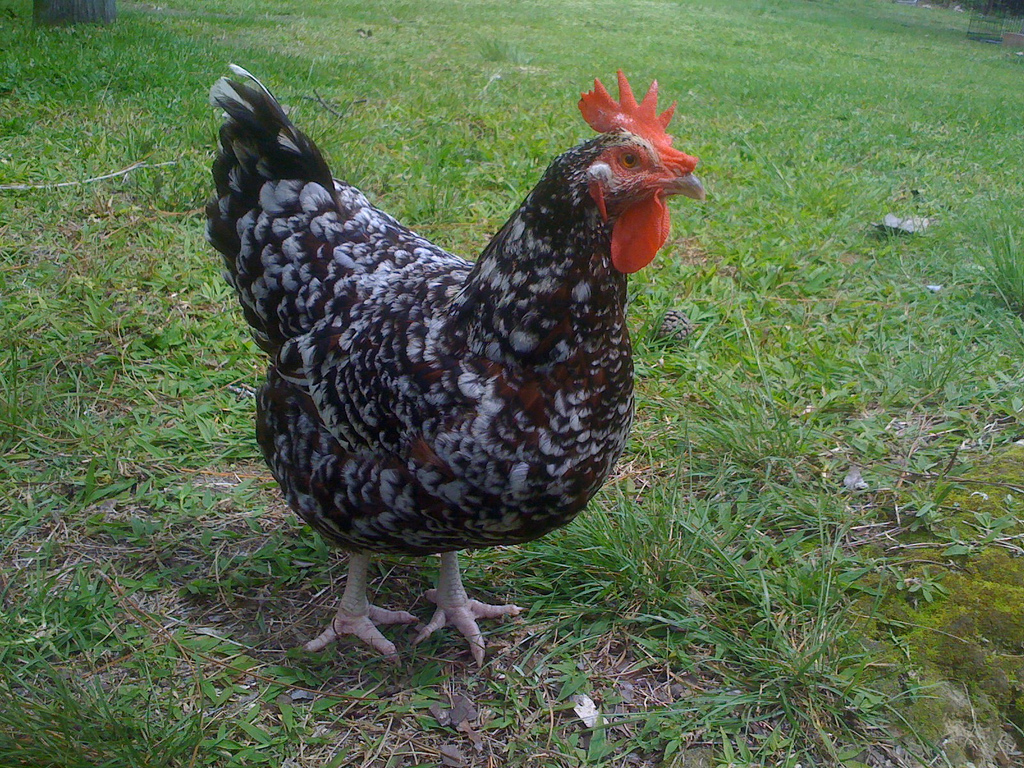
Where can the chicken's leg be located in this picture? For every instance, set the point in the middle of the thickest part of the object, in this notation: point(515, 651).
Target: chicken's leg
point(357, 617)
point(456, 609)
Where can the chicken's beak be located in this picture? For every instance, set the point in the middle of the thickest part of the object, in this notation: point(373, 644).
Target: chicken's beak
point(679, 179)
point(687, 185)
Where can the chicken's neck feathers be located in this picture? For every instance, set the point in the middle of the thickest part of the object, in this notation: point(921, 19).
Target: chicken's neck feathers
point(544, 289)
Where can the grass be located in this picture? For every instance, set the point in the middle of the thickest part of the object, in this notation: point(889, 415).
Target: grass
point(716, 600)
point(1004, 262)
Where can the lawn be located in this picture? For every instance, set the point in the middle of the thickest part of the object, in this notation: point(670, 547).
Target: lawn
point(810, 553)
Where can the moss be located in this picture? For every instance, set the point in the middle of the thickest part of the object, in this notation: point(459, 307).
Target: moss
point(997, 566)
point(930, 711)
point(968, 642)
point(1005, 472)
point(979, 608)
point(975, 636)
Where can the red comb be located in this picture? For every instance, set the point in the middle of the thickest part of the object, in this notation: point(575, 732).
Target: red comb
point(603, 113)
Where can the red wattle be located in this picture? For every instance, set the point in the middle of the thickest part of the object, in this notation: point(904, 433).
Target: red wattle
point(639, 233)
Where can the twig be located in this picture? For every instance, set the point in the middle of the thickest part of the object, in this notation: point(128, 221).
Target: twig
point(151, 622)
point(495, 76)
point(326, 105)
point(1006, 542)
point(115, 174)
point(966, 480)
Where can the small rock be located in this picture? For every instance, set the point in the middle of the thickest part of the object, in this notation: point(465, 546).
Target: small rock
point(854, 481)
point(911, 225)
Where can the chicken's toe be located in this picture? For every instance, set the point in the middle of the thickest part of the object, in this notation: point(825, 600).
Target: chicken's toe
point(365, 628)
point(463, 617)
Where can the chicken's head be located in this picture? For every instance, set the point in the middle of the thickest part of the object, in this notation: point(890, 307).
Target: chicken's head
point(637, 169)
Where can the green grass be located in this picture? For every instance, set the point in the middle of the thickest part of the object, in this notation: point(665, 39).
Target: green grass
point(717, 598)
point(1003, 262)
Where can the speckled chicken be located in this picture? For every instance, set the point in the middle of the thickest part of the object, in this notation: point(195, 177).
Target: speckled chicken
point(416, 402)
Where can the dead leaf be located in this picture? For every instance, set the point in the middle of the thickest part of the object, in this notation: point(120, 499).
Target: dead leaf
point(209, 632)
point(626, 689)
point(451, 756)
point(586, 709)
point(463, 708)
point(472, 735)
point(439, 713)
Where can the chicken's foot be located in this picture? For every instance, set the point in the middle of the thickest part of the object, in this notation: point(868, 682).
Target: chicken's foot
point(454, 608)
point(357, 617)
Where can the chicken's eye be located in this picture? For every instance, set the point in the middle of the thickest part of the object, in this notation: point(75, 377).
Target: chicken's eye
point(629, 160)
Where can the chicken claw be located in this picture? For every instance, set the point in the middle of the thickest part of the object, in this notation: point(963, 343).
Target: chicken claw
point(463, 618)
point(357, 617)
point(454, 608)
point(365, 628)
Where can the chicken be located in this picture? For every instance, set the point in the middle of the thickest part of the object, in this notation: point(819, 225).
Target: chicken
point(419, 403)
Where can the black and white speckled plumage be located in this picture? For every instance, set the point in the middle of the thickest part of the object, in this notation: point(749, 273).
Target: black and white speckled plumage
point(417, 402)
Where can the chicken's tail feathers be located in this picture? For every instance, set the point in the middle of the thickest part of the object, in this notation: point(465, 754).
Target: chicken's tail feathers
point(260, 136)
point(243, 72)
point(267, 171)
